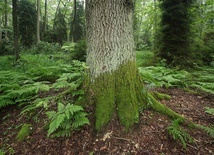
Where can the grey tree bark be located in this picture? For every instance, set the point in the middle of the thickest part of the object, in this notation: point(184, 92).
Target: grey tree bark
point(113, 78)
point(109, 35)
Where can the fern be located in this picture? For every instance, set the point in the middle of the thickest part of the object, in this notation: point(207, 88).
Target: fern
point(178, 133)
point(209, 130)
point(209, 110)
point(164, 77)
point(38, 103)
point(66, 118)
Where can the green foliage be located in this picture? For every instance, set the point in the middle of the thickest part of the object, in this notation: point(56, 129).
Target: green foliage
point(66, 118)
point(158, 76)
point(19, 91)
point(44, 48)
point(77, 50)
point(163, 77)
point(10, 84)
point(2, 152)
point(175, 36)
point(27, 22)
point(209, 110)
point(77, 29)
point(6, 47)
point(59, 28)
point(178, 133)
point(203, 79)
point(38, 103)
point(209, 130)
point(25, 131)
point(144, 58)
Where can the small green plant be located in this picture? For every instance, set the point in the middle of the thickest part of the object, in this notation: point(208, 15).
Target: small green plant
point(158, 76)
point(209, 130)
point(6, 149)
point(2, 152)
point(178, 133)
point(66, 118)
point(209, 110)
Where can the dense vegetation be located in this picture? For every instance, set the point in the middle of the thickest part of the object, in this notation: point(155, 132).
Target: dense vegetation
point(49, 76)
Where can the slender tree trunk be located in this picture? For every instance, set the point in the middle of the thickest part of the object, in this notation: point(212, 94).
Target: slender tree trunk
point(5, 18)
point(45, 22)
point(57, 9)
point(113, 76)
point(0, 36)
point(74, 20)
point(38, 22)
point(15, 30)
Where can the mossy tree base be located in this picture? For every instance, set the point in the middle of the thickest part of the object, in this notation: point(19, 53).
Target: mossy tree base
point(118, 93)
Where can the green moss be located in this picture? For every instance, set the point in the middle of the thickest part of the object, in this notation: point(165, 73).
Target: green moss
point(161, 96)
point(103, 91)
point(126, 94)
point(118, 93)
point(25, 131)
point(157, 106)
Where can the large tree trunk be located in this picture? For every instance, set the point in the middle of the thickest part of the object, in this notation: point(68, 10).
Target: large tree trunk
point(113, 76)
point(15, 30)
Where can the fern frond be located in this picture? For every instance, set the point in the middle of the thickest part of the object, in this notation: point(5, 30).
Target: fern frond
point(209, 130)
point(79, 122)
point(209, 110)
point(74, 109)
point(5, 101)
point(176, 131)
point(54, 125)
point(68, 117)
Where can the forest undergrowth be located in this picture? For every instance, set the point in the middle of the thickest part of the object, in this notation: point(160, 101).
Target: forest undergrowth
point(51, 84)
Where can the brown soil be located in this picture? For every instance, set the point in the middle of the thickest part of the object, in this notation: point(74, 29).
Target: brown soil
point(149, 137)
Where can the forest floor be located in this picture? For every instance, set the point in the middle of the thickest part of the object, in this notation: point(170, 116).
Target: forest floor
point(149, 137)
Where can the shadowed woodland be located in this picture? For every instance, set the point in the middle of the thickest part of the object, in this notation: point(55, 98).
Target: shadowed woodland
point(106, 77)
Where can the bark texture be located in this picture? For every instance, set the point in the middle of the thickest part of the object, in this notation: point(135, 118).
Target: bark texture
point(38, 22)
point(15, 30)
point(113, 77)
point(109, 35)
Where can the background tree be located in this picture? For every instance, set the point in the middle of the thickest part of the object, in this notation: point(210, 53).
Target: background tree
point(77, 29)
point(147, 17)
point(27, 22)
point(0, 36)
point(5, 17)
point(203, 32)
point(60, 28)
point(38, 22)
point(15, 30)
point(175, 32)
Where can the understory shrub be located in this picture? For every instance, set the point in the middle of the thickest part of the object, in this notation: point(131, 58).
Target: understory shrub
point(66, 119)
point(77, 50)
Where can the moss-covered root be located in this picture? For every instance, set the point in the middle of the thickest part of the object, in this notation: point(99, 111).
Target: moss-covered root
point(160, 96)
point(103, 91)
point(126, 96)
point(157, 106)
point(25, 131)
